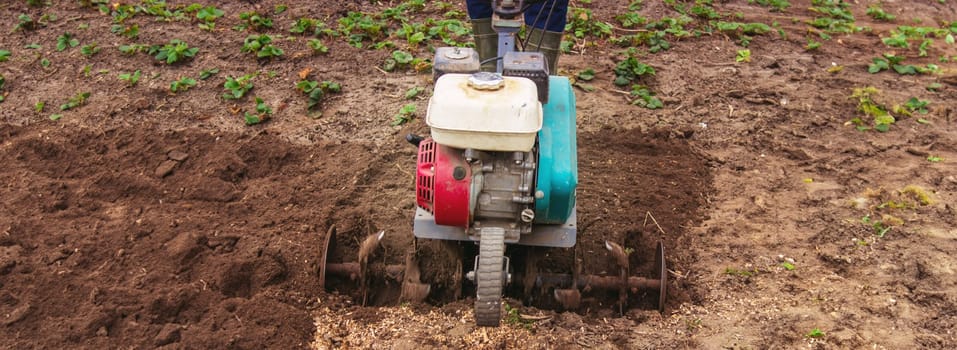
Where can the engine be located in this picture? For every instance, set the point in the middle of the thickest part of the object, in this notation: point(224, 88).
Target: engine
point(471, 189)
point(497, 159)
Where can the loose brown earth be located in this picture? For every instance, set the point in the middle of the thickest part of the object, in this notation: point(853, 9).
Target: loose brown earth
point(146, 219)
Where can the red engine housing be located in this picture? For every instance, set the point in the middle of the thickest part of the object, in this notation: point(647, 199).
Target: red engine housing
point(442, 182)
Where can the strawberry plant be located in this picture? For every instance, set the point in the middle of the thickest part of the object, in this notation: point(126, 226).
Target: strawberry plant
point(405, 60)
point(208, 15)
point(911, 106)
point(263, 111)
point(317, 46)
point(881, 119)
point(890, 61)
point(65, 41)
point(413, 92)
point(358, 27)
point(129, 32)
point(236, 88)
point(130, 78)
point(182, 84)
point(25, 22)
point(876, 12)
point(631, 69)
point(254, 20)
point(836, 16)
point(175, 51)
point(776, 5)
point(743, 56)
point(207, 73)
point(405, 115)
point(261, 46)
point(89, 50)
point(582, 22)
point(133, 49)
point(76, 101)
point(645, 97)
point(316, 90)
point(4, 55)
point(743, 31)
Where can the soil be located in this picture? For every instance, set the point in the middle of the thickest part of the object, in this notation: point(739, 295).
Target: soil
point(147, 219)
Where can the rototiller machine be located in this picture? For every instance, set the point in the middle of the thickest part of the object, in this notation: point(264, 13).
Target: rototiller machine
point(500, 169)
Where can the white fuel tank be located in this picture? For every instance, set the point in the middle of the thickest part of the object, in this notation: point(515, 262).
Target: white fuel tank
point(485, 111)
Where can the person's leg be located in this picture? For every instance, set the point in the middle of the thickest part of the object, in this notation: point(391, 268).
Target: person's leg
point(549, 15)
point(486, 40)
point(547, 23)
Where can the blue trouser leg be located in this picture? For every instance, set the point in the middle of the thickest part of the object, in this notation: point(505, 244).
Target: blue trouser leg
point(552, 23)
point(540, 11)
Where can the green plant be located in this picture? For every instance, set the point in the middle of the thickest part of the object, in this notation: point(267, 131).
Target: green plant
point(208, 16)
point(132, 49)
point(206, 73)
point(404, 60)
point(787, 266)
point(280, 9)
point(934, 159)
point(882, 120)
point(586, 75)
point(76, 101)
point(405, 115)
point(182, 84)
point(890, 61)
point(836, 16)
point(876, 12)
point(815, 333)
point(358, 27)
point(44, 62)
point(316, 90)
point(236, 88)
point(262, 46)
point(175, 51)
point(25, 22)
point(130, 78)
point(743, 31)
point(743, 56)
point(582, 22)
point(645, 97)
point(254, 20)
point(4, 55)
point(812, 45)
point(776, 5)
point(514, 318)
point(912, 105)
point(631, 69)
point(129, 32)
point(38, 107)
point(317, 46)
point(631, 19)
point(263, 111)
point(413, 92)
point(89, 50)
point(66, 40)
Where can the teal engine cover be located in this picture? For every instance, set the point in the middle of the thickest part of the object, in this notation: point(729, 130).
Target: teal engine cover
point(557, 175)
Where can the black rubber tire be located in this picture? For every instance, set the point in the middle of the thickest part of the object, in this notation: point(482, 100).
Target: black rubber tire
point(489, 278)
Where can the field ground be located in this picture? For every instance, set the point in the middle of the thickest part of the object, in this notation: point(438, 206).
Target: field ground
point(143, 218)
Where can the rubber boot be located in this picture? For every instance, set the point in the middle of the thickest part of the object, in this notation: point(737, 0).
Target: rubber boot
point(486, 42)
point(548, 43)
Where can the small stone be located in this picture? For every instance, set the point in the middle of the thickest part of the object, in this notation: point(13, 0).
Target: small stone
point(165, 168)
point(177, 155)
point(169, 334)
point(102, 332)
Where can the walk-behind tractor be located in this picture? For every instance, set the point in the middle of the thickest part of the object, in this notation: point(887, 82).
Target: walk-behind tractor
point(500, 170)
